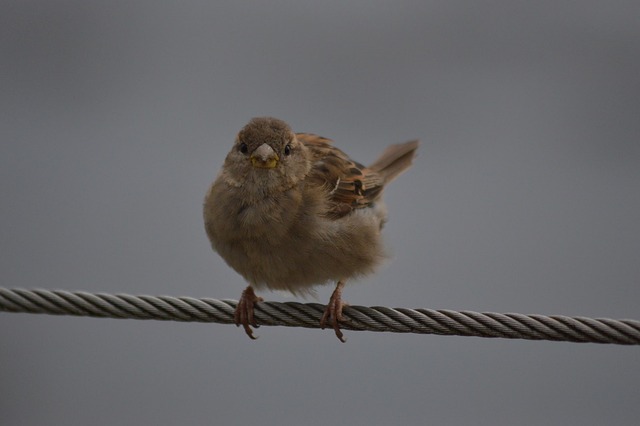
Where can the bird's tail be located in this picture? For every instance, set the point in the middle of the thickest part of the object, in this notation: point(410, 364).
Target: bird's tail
point(395, 160)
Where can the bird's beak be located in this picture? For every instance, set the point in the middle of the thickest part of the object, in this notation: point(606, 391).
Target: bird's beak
point(264, 157)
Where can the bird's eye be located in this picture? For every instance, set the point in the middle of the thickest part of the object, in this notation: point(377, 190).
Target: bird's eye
point(243, 148)
point(287, 149)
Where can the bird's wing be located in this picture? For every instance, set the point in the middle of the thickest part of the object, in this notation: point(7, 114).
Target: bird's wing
point(349, 184)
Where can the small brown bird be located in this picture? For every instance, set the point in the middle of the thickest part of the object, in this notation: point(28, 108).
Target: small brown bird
point(290, 211)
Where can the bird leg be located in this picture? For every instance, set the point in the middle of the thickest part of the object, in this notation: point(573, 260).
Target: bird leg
point(244, 311)
point(334, 311)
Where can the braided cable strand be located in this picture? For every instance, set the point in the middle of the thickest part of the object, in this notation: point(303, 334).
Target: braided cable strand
point(293, 314)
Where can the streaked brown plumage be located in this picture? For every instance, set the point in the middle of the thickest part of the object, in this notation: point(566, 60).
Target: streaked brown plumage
point(290, 211)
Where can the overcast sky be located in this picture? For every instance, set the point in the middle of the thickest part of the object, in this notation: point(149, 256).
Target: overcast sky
point(116, 116)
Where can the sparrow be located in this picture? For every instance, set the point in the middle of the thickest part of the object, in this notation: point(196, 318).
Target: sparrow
point(290, 211)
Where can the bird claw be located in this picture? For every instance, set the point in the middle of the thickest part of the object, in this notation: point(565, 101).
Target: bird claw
point(334, 311)
point(244, 311)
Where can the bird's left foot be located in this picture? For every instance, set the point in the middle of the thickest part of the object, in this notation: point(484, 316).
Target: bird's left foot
point(244, 311)
point(334, 311)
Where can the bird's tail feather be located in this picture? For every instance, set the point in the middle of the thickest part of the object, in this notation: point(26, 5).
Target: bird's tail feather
point(395, 160)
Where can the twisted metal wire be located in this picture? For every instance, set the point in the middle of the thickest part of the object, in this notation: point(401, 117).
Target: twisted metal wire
point(293, 314)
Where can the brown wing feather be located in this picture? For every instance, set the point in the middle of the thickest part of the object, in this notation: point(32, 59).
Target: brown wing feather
point(349, 184)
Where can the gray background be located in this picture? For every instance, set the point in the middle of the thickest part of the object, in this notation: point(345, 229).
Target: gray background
point(116, 116)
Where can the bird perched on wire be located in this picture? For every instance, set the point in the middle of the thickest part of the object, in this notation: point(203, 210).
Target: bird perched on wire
point(290, 211)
